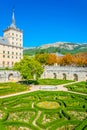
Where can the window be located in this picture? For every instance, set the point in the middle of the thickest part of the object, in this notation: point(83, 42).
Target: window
point(8, 56)
point(12, 52)
point(16, 34)
point(12, 42)
point(3, 51)
point(13, 38)
point(3, 56)
point(7, 63)
point(12, 57)
point(8, 52)
point(12, 63)
point(16, 53)
point(12, 33)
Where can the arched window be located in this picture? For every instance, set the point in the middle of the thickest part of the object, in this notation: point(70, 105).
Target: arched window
point(55, 75)
point(10, 77)
point(75, 77)
point(64, 76)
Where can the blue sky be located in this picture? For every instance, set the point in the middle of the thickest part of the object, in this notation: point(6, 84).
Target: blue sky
point(46, 21)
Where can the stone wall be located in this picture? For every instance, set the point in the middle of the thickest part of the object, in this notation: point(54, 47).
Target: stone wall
point(9, 76)
point(67, 73)
point(58, 72)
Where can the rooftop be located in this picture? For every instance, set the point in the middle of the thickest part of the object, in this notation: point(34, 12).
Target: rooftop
point(3, 40)
point(13, 24)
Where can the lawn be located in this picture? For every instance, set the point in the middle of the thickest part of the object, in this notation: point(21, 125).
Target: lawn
point(9, 88)
point(48, 104)
point(78, 87)
point(43, 110)
point(49, 81)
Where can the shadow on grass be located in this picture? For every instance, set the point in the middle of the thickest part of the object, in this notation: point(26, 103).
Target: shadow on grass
point(29, 82)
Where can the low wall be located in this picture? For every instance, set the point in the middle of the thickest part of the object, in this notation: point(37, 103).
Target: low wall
point(58, 72)
point(9, 76)
point(67, 73)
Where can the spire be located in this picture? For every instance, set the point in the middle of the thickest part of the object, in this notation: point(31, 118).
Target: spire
point(13, 20)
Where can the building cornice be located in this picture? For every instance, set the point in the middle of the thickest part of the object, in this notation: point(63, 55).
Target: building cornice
point(11, 28)
point(11, 45)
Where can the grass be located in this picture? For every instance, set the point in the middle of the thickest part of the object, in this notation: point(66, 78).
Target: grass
point(21, 112)
point(49, 81)
point(9, 88)
point(48, 105)
point(78, 87)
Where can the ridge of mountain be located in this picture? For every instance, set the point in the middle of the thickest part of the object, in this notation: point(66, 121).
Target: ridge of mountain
point(60, 47)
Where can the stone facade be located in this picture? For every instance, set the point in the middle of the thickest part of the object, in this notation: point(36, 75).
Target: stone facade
point(11, 45)
point(9, 76)
point(67, 73)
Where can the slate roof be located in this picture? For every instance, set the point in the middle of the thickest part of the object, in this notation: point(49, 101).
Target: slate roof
point(3, 40)
point(13, 25)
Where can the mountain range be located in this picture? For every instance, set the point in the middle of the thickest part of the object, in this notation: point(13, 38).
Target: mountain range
point(58, 47)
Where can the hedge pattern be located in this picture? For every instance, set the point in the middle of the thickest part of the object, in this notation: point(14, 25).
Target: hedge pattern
point(22, 112)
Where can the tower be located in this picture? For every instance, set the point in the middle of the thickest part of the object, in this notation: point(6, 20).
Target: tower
point(14, 34)
point(11, 44)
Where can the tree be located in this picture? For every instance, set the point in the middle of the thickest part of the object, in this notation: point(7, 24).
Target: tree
point(79, 60)
point(66, 60)
point(29, 68)
point(42, 58)
point(52, 59)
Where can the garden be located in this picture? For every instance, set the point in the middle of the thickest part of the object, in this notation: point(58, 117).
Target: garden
point(43, 110)
point(47, 81)
point(78, 87)
point(11, 87)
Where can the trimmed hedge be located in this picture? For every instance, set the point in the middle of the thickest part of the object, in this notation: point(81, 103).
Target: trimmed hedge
point(56, 117)
point(82, 125)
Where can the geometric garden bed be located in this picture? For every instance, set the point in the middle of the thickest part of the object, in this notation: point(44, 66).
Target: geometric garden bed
point(43, 110)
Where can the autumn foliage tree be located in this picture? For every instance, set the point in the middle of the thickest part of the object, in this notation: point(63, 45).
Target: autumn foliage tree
point(52, 59)
point(79, 59)
point(73, 60)
point(66, 60)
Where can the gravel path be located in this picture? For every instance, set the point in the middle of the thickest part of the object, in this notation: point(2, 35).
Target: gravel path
point(37, 117)
point(37, 87)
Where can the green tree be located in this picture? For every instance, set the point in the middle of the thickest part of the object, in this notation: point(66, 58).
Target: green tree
point(29, 68)
point(42, 58)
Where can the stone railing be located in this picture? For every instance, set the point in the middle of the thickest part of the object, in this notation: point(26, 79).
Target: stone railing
point(66, 68)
